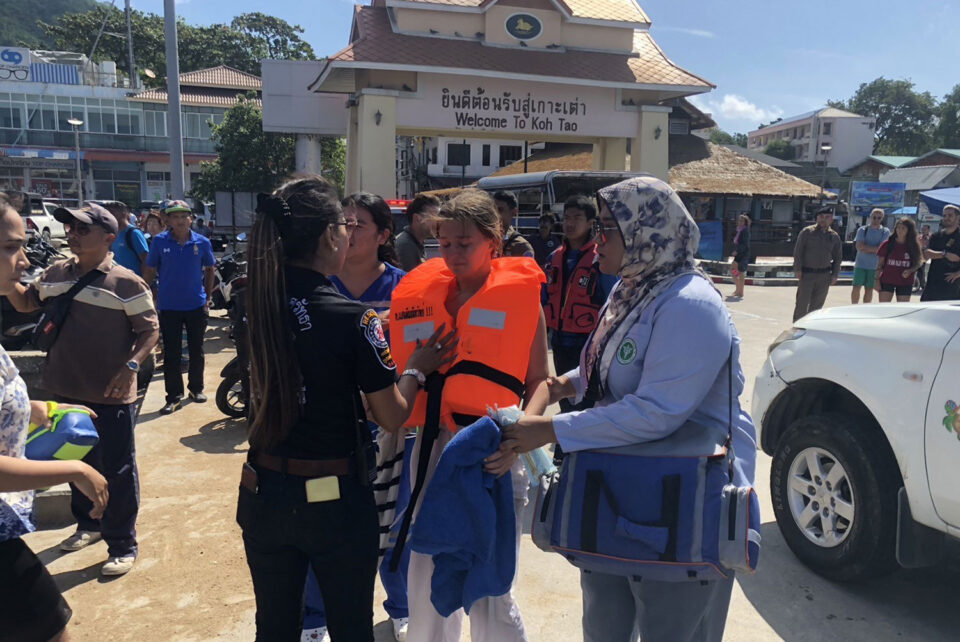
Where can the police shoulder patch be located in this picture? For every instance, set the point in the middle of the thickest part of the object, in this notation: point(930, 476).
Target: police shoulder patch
point(373, 332)
point(627, 352)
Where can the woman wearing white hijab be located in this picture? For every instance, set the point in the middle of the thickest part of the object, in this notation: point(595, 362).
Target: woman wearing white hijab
point(657, 358)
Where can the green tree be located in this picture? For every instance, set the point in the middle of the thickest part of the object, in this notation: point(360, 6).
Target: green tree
point(781, 149)
point(77, 32)
point(948, 130)
point(252, 160)
point(273, 38)
point(333, 156)
point(720, 137)
point(254, 36)
point(905, 117)
point(249, 159)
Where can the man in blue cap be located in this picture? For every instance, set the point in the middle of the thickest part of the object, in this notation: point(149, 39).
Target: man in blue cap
point(184, 262)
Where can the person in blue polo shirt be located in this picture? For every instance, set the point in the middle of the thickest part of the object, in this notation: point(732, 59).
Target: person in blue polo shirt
point(185, 263)
point(130, 247)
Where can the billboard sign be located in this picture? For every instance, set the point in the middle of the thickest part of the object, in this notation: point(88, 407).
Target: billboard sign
point(14, 63)
point(711, 240)
point(866, 196)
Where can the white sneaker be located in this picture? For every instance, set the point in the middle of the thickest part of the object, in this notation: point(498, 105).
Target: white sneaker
point(400, 628)
point(80, 539)
point(118, 565)
point(315, 635)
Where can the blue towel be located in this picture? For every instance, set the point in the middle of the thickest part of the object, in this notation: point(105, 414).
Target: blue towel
point(466, 522)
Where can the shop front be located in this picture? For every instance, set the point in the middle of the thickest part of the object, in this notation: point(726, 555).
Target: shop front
point(50, 173)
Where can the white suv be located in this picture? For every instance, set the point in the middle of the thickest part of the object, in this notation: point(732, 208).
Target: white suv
point(859, 407)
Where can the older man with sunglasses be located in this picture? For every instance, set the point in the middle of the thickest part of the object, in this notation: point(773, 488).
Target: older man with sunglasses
point(109, 330)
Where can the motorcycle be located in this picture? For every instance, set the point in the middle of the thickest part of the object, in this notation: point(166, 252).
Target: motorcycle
point(16, 328)
point(227, 270)
point(233, 393)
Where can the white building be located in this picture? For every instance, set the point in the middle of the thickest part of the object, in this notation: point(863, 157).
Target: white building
point(850, 136)
point(453, 159)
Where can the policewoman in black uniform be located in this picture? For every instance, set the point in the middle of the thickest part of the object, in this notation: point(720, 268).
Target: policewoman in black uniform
point(305, 493)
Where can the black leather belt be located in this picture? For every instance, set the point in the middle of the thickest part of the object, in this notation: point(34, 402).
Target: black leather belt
point(305, 467)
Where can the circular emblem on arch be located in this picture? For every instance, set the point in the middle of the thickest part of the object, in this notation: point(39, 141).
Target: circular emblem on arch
point(627, 352)
point(524, 26)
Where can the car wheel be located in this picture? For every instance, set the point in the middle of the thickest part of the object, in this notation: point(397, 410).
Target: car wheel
point(834, 487)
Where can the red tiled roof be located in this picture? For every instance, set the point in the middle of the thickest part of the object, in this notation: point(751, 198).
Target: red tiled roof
point(615, 10)
point(376, 43)
point(195, 96)
point(223, 77)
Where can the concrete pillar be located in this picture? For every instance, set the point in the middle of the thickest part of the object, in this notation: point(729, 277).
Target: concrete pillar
point(352, 179)
point(610, 154)
point(309, 157)
point(649, 151)
point(377, 144)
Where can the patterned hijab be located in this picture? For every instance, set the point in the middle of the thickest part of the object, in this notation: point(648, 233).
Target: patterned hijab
point(661, 239)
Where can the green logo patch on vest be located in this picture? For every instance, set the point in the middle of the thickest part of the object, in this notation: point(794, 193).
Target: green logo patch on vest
point(627, 352)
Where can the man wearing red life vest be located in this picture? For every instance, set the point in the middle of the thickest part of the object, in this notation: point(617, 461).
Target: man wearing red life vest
point(575, 289)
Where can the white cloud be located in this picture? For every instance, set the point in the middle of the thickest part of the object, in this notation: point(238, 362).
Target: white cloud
point(699, 33)
point(734, 107)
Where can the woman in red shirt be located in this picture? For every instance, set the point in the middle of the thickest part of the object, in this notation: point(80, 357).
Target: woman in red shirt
point(899, 258)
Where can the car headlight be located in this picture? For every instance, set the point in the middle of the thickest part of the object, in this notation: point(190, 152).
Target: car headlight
point(786, 335)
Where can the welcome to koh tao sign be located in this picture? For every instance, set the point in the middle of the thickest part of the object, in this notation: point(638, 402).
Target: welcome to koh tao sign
point(492, 106)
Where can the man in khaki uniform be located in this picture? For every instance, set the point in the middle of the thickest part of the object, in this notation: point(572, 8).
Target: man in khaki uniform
point(816, 263)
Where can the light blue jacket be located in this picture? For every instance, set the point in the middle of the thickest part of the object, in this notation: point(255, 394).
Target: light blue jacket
point(671, 366)
point(873, 237)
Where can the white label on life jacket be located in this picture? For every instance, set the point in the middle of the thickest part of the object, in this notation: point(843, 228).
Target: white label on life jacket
point(487, 318)
point(415, 331)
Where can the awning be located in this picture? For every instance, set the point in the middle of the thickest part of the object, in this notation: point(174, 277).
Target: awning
point(937, 198)
point(905, 211)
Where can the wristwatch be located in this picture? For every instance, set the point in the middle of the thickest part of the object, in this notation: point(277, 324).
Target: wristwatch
point(133, 365)
point(416, 374)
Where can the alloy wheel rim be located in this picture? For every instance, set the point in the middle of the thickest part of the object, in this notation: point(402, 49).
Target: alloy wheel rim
point(820, 497)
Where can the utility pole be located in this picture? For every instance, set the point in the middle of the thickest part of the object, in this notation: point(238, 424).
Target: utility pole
point(134, 81)
point(174, 122)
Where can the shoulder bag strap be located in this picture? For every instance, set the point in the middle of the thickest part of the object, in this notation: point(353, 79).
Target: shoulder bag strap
point(730, 453)
point(431, 430)
point(81, 283)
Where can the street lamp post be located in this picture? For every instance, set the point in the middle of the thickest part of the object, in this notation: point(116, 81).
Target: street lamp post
point(76, 123)
point(825, 150)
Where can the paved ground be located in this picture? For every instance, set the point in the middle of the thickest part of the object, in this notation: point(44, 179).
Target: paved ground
point(191, 581)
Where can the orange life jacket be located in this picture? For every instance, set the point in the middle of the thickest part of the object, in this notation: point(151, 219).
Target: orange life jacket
point(496, 328)
point(571, 306)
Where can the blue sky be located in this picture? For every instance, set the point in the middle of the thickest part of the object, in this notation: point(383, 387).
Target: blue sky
point(768, 59)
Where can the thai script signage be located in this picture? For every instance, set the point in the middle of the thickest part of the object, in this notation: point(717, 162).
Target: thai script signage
point(474, 109)
point(14, 63)
point(456, 103)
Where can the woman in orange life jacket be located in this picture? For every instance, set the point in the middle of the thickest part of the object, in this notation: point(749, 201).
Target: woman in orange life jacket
point(494, 304)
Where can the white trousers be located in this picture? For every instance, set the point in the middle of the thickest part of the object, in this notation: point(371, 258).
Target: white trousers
point(492, 619)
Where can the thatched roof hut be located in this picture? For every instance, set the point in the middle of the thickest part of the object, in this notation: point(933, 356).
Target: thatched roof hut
point(697, 166)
